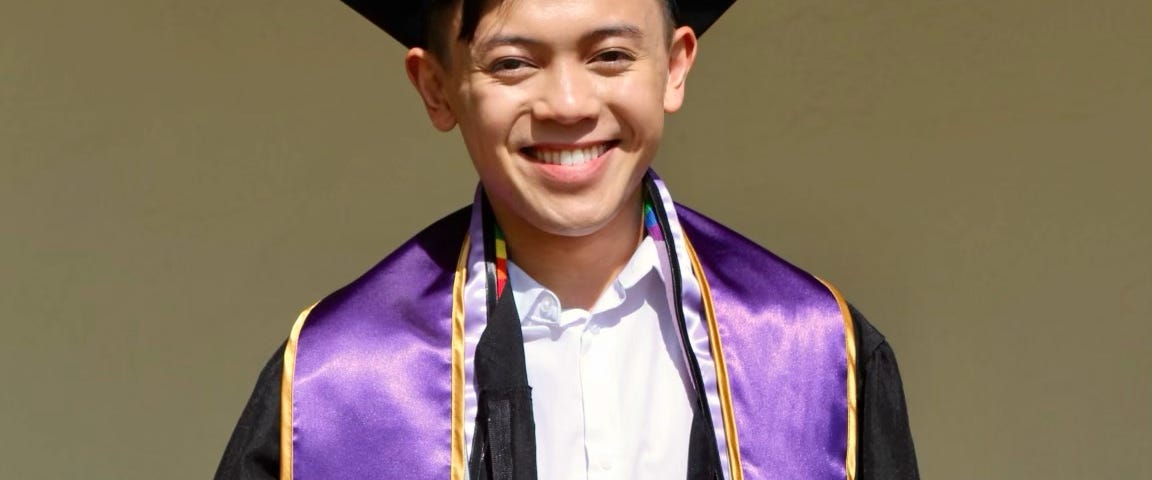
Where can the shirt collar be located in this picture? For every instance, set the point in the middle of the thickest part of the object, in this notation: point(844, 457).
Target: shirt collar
point(537, 303)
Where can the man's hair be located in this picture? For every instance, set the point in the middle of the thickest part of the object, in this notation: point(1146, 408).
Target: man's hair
point(438, 22)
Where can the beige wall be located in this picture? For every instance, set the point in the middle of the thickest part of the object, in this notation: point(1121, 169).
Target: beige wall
point(180, 178)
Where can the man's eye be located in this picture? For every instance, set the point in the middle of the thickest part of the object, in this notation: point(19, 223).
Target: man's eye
point(614, 56)
point(507, 65)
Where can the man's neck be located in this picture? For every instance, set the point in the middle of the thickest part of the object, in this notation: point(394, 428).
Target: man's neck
point(577, 269)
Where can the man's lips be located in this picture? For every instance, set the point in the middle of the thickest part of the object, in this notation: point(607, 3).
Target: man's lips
point(567, 155)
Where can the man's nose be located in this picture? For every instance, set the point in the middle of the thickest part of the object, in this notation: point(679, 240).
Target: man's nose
point(568, 95)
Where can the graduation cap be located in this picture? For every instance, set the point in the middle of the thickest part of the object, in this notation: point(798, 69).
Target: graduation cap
point(404, 19)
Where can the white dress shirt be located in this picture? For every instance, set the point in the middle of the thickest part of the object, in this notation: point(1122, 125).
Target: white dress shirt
point(611, 396)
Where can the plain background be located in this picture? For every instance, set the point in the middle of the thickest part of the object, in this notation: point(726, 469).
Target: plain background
point(179, 179)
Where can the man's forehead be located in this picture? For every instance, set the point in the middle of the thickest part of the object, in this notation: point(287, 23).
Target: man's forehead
point(526, 22)
point(407, 20)
point(500, 35)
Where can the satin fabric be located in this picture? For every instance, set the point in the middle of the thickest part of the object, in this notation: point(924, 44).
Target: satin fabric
point(371, 393)
point(783, 335)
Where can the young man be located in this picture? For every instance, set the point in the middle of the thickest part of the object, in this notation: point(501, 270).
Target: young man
point(573, 322)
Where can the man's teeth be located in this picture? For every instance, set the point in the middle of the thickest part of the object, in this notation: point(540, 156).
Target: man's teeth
point(576, 156)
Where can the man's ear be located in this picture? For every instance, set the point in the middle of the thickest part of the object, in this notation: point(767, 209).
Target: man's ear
point(681, 56)
point(430, 79)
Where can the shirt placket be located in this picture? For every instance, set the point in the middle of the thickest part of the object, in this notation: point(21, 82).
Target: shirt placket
point(600, 396)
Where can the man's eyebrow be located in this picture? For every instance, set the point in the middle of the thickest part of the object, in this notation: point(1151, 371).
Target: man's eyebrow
point(503, 40)
point(621, 30)
point(626, 30)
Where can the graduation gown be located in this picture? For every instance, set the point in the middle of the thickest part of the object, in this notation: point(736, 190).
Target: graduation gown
point(803, 387)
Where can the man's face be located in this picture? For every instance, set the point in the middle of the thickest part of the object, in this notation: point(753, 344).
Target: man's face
point(561, 105)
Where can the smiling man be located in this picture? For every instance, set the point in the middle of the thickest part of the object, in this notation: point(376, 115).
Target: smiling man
point(574, 322)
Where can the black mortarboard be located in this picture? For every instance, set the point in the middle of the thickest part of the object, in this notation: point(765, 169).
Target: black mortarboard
point(404, 19)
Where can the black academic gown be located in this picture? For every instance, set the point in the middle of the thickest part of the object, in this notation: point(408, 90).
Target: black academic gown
point(884, 438)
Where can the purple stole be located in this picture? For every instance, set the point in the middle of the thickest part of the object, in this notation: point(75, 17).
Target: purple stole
point(374, 374)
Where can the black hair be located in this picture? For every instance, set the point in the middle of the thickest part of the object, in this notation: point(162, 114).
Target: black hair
point(440, 13)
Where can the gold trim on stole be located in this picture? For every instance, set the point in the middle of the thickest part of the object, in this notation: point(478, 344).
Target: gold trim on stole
point(286, 395)
point(457, 472)
point(722, 385)
point(850, 346)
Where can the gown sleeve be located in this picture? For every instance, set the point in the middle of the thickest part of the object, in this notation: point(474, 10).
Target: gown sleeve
point(885, 449)
point(885, 440)
point(253, 452)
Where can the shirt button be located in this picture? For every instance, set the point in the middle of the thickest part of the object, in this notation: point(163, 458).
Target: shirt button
point(547, 308)
point(594, 328)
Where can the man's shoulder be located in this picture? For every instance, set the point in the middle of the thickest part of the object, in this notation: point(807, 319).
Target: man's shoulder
point(423, 261)
point(698, 224)
point(738, 264)
point(720, 240)
point(438, 243)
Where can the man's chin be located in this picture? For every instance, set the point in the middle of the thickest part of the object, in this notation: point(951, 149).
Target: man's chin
point(571, 228)
point(577, 223)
